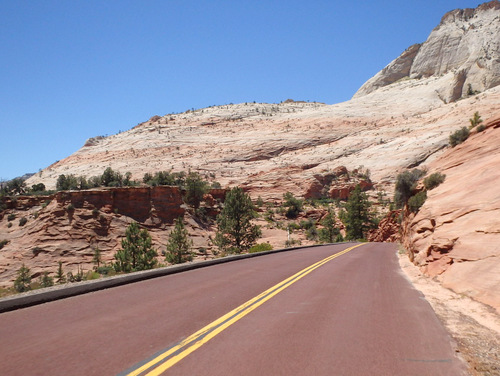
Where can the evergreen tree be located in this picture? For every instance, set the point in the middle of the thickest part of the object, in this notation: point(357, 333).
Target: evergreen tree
point(475, 120)
point(137, 252)
point(179, 244)
point(329, 233)
point(60, 277)
point(46, 280)
point(356, 216)
point(96, 259)
point(293, 204)
point(196, 187)
point(235, 231)
point(23, 280)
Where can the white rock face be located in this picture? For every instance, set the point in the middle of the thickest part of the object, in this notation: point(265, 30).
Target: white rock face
point(466, 43)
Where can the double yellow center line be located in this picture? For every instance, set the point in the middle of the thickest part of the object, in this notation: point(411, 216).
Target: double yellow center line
point(168, 358)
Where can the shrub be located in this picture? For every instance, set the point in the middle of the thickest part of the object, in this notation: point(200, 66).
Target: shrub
point(92, 275)
point(329, 232)
point(312, 233)
point(405, 184)
point(260, 247)
point(46, 280)
point(459, 136)
point(481, 128)
point(307, 224)
point(36, 251)
point(37, 188)
point(416, 201)
point(3, 243)
point(216, 185)
point(292, 242)
point(293, 204)
point(11, 217)
point(23, 221)
point(432, 181)
point(475, 120)
point(105, 270)
point(70, 208)
point(9, 225)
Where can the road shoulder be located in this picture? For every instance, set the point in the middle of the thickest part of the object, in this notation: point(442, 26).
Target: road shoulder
point(474, 326)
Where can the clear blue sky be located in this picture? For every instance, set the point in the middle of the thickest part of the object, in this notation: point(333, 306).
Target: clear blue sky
point(74, 69)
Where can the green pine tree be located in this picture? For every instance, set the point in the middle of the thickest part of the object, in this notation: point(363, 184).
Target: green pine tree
point(356, 217)
point(137, 251)
point(235, 231)
point(46, 280)
point(60, 277)
point(196, 188)
point(475, 120)
point(96, 259)
point(179, 244)
point(23, 280)
point(329, 233)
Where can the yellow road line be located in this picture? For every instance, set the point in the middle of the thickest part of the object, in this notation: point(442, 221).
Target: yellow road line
point(204, 335)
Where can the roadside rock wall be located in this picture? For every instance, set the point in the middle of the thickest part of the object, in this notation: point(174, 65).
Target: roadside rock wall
point(455, 237)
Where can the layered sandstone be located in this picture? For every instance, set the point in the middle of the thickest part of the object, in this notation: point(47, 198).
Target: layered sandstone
point(456, 234)
point(69, 226)
point(463, 50)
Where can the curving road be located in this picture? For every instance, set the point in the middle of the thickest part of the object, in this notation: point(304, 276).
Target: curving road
point(353, 313)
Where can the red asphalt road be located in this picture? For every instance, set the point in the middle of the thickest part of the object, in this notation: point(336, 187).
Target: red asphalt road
point(355, 315)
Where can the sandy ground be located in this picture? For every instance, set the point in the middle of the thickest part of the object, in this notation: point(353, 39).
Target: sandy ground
point(474, 326)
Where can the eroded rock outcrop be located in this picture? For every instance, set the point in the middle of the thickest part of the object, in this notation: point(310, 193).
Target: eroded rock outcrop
point(455, 236)
point(69, 226)
point(337, 184)
point(388, 230)
point(465, 46)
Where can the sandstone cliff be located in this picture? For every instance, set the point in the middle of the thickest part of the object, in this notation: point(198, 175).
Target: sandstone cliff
point(68, 226)
point(456, 234)
point(463, 50)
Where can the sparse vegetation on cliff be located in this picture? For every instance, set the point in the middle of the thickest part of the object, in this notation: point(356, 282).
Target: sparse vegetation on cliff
point(406, 182)
point(406, 185)
point(475, 120)
point(416, 201)
point(459, 136)
point(434, 180)
point(109, 178)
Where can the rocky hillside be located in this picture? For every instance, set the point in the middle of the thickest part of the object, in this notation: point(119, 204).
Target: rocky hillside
point(455, 236)
point(463, 50)
point(400, 119)
point(409, 108)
